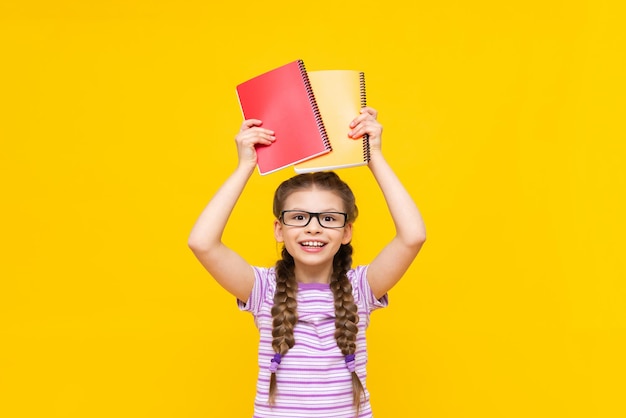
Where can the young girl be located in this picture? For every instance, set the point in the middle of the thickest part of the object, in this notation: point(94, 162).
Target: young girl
point(312, 307)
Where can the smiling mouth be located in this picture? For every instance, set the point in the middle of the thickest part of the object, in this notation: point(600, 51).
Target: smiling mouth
point(312, 244)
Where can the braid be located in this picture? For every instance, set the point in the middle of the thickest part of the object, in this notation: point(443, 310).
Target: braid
point(283, 312)
point(346, 314)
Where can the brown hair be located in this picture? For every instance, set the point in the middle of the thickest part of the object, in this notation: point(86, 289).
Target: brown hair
point(284, 312)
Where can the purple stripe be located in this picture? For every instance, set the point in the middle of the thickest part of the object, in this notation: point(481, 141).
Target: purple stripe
point(266, 315)
point(299, 382)
point(332, 347)
point(318, 370)
point(328, 335)
point(309, 357)
point(303, 342)
point(318, 336)
point(307, 395)
point(364, 414)
point(317, 347)
point(313, 286)
point(291, 361)
point(316, 303)
point(303, 315)
point(302, 408)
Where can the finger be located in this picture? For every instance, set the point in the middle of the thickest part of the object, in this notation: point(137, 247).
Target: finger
point(369, 127)
point(256, 136)
point(357, 120)
point(261, 132)
point(358, 132)
point(367, 113)
point(265, 137)
point(249, 123)
point(255, 131)
point(260, 141)
point(370, 110)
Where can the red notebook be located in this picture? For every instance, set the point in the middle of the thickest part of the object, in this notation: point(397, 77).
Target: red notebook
point(283, 99)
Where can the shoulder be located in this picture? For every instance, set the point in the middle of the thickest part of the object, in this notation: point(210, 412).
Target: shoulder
point(357, 276)
point(361, 289)
point(264, 273)
point(264, 279)
point(262, 290)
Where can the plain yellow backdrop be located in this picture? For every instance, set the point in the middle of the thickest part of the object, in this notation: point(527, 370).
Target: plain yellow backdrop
point(505, 120)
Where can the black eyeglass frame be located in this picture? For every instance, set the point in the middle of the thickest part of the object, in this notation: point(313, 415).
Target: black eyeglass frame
point(314, 215)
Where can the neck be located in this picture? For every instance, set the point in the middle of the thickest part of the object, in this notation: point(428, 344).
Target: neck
point(313, 274)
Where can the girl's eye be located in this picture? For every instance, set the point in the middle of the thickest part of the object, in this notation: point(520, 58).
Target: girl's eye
point(298, 216)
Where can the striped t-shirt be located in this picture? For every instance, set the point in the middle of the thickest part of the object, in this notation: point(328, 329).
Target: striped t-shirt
point(312, 379)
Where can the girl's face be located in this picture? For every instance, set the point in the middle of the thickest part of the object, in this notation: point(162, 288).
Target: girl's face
point(313, 244)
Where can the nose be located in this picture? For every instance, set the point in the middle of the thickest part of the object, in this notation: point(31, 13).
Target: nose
point(314, 225)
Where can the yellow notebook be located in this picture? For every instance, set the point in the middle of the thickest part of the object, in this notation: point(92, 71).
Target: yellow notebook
point(340, 95)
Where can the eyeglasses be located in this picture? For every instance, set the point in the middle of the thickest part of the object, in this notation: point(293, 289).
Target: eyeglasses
point(325, 219)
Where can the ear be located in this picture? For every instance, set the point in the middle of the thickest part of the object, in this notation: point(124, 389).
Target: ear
point(347, 234)
point(278, 231)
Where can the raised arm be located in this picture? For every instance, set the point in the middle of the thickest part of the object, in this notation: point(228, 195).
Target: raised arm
point(395, 258)
point(205, 240)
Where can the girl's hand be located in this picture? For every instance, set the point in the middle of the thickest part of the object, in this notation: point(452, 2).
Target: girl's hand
point(248, 137)
point(366, 124)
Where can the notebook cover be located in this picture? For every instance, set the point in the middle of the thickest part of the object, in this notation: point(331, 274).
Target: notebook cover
point(283, 100)
point(340, 94)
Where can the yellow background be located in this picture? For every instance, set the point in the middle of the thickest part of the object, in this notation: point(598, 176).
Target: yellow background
point(505, 120)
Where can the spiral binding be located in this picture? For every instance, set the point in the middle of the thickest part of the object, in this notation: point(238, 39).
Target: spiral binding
point(316, 111)
point(366, 142)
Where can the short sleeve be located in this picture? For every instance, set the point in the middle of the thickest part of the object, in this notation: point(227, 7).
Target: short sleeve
point(363, 294)
point(264, 285)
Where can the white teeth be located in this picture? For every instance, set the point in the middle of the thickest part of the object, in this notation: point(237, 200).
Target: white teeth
point(312, 244)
